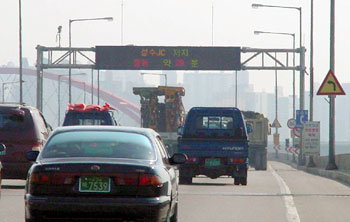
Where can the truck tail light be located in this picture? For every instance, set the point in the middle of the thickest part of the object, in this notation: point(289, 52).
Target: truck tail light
point(237, 160)
point(192, 159)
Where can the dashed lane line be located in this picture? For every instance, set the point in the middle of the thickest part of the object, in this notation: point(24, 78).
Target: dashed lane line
point(292, 212)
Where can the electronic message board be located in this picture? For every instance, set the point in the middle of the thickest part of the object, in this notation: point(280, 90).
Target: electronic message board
point(167, 58)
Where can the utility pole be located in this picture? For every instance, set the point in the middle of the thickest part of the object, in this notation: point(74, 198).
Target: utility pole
point(331, 156)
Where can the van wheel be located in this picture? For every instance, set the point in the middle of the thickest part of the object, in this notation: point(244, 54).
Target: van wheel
point(237, 181)
point(185, 180)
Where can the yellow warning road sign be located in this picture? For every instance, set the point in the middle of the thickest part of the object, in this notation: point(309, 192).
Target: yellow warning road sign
point(276, 124)
point(330, 86)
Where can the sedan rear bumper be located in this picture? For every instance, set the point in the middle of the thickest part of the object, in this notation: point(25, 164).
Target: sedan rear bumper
point(156, 208)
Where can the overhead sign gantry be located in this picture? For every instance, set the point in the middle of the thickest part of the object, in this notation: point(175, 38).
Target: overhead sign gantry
point(167, 58)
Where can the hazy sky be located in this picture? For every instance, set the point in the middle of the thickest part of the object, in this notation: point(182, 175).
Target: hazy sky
point(179, 22)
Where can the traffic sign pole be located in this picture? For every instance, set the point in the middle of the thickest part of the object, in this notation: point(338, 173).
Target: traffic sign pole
point(331, 161)
point(331, 156)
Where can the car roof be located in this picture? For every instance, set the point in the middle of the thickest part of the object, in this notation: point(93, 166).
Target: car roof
point(145, 131)
point(13, 105)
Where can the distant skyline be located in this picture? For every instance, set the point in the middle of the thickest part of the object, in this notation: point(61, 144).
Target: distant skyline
point(181, 22)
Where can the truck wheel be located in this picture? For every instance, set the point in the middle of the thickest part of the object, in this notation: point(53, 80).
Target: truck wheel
point(263, 162)
point(257, 162)
point(243, 181)
point(237, 181)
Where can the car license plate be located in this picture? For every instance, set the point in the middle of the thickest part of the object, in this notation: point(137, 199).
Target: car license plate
point(212, 162)
point(95, 184)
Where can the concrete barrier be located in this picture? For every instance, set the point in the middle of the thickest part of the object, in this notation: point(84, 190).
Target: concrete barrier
point(342, 161)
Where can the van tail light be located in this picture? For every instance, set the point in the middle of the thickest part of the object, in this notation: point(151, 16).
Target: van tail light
point(237, 160)
point(52, 178)
point(150, 180)
point(126, 179)
point(36, 145)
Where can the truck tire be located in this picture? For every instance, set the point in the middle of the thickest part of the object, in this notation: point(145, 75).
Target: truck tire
point(263, 161)
point(243, 181)
point(258, 161)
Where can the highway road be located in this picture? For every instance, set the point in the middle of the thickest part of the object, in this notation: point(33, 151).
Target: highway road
point(281, 193)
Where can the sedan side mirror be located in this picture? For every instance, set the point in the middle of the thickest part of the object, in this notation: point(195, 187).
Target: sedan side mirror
point(32, 155)
point(2, 149)
point(178, 158)
point(180, 130)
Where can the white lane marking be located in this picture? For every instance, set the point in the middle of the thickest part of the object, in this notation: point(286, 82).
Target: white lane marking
point(292, 212)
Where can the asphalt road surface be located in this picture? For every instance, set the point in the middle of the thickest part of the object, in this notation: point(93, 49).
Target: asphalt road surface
point(279, 194)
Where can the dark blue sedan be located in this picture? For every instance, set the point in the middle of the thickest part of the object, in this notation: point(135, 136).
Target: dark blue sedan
point(103, 172)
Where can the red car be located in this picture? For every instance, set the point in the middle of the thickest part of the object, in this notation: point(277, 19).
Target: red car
point(2, 152)
point(22, 129)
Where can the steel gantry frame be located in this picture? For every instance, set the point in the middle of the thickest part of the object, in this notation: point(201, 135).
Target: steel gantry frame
point(272, 54)
point(253, 54)
point(58, 62)
point(281, 65)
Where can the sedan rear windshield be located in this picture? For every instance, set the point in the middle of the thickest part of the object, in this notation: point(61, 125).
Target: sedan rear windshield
point(99, 144)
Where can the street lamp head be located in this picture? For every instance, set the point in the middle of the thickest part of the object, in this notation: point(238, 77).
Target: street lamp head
point(109, 18)
point(257, 32)
point(256, 5)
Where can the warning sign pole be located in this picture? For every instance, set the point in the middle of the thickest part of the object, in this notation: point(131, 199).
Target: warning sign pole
point(331, 157)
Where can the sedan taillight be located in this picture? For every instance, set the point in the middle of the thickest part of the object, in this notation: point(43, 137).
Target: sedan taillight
point(137, 180)
point(52, 178)
point(150, 180)
point(126, 179)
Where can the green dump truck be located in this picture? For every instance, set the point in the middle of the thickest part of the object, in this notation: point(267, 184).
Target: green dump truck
point(257, 139)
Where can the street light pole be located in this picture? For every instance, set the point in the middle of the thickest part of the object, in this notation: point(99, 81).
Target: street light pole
point(302, 68)
point(98, 87)
point(122, 23)
point(59, 96)
point(92, 86)
point(276, 89)
point(70, 45)
point(70, 62)
point(302, 74)
point(236, 91)
point(312, 62)
point(212, 23)
point(3, 88)
point(20, 54)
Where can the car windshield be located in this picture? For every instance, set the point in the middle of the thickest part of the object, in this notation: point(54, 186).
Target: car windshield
point(99, 144)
